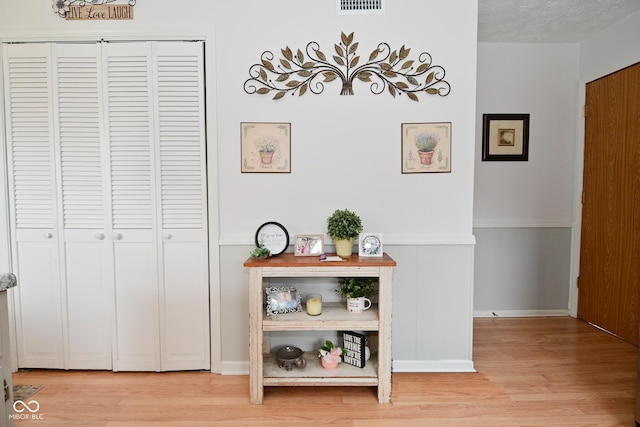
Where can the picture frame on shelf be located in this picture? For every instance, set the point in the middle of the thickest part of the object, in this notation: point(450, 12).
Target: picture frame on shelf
point(370, 245)
point(308, 245)
point(282, 299)
point(426, 147)
point(265, 147)
point(505, 137)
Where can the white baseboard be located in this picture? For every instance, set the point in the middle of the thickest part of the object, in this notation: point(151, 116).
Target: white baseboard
point(433, 366)
point(235, 368)
point(521, 313)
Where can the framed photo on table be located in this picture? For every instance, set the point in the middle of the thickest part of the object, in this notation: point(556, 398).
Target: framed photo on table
point(282, 299)
point(505, 137)
point(308, 245)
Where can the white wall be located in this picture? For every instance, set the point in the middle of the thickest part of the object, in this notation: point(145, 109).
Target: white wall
point(523, 211)
point(332, 133)
point(424, 217)
point(359, 134)
point(541, 80)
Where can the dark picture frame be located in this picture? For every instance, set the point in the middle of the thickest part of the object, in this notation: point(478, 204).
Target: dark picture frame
point(505, 137)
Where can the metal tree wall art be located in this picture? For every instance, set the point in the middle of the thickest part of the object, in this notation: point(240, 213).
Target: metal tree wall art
point(385, 69)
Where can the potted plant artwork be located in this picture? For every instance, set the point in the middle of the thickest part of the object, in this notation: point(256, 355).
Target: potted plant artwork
point(356, 290)
point(330, 355)
point(426, 143)
point(343, 226)
point(266, 148)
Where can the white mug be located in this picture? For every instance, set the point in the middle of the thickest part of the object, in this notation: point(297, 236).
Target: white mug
point(358, 305)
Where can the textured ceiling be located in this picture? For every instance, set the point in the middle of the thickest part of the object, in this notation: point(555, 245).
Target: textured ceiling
point(548, 21)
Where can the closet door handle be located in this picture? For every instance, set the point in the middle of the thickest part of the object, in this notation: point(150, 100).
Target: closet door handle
point(99, 236)
point(48, 235)
point(167, 236)
point(117, 236)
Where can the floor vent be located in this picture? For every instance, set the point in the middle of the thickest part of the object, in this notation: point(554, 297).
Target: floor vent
point(360, 7)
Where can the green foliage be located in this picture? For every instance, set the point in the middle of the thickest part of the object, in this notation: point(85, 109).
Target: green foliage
point(260, 252)
point(355, 287)
point(426, 141)
point(343, 224)
point(328, 346)
point(267, 148)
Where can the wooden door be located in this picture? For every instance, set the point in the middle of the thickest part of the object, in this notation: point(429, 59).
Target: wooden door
point(609, 280)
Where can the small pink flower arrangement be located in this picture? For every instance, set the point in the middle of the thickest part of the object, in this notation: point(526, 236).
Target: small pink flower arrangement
point(330, 355)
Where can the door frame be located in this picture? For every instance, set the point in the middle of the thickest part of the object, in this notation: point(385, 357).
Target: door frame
point(207, 36)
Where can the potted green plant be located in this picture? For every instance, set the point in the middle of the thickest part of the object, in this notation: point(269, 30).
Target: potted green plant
point(426, 143)
point(356, 290)
point(330, 355)
point(260, 252)
point(343, 226)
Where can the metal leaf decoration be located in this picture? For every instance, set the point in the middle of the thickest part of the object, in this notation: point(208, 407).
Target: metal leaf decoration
point(298, 72)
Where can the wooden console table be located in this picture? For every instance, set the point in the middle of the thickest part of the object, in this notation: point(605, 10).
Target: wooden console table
point(263, 368)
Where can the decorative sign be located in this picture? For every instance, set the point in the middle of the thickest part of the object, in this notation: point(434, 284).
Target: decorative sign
point(354, 343)
point(273, 236)
point(87, 10)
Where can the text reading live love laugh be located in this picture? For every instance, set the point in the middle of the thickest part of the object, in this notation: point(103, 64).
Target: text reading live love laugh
point(122, 11)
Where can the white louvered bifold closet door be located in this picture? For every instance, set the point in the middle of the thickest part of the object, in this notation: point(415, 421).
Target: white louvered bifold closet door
point(85, 206)
point(108, 186)
point(183, 205)
point(28, 96)
point(129, 105)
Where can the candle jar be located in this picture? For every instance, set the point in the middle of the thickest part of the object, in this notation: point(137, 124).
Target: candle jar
point(314, 304)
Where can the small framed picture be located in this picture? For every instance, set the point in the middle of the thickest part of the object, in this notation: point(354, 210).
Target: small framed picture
point(505, 137)
point(370, 244)
point(426, 147)
point(309, 245)
point(265, 147)
point(282, 299)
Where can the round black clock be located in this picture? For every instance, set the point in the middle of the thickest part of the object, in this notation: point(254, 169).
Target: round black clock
point(273, 236)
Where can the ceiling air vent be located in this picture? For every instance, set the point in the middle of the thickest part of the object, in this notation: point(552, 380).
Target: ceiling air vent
point(360, 7)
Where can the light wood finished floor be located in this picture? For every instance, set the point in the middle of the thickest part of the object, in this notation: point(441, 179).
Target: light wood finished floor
point(531, 372)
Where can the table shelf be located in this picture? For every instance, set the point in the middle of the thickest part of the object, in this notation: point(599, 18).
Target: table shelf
point(263, 368)
point(334, 317)
point(314, 374)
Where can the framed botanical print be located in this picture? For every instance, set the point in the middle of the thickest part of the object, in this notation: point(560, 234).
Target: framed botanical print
point(265, 147)
point(426, 147)
point(505, 137)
